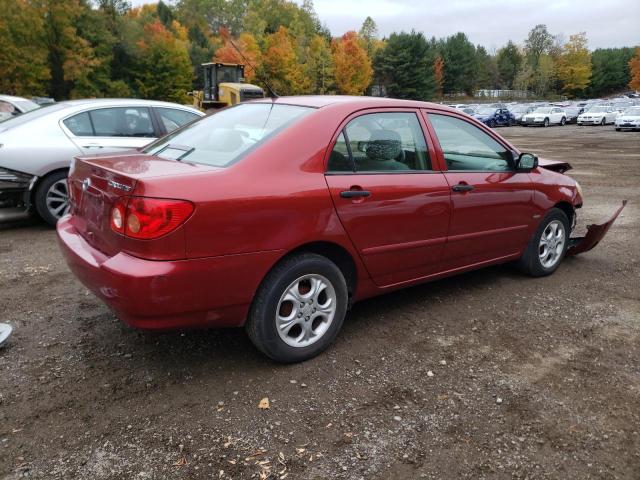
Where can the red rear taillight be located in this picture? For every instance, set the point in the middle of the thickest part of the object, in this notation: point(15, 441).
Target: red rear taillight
point(149, 218)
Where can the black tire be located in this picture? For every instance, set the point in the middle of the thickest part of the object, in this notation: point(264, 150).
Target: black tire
point(530, 261)
point(563, 122)
point(40, 198)
point(261, 322)
point(546, 122)
point(492, 124)
point(618, 129)
point(603, 122)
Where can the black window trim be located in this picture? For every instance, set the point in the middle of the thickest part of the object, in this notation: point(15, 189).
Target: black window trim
point(379, 172)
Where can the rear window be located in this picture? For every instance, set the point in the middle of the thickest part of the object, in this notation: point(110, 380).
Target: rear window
point(226, 136)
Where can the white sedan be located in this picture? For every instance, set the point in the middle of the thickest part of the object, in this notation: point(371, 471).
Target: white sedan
point(598, 115)
point(629, 120)
point(36, 148)
point(545, 116)
point(11, 106)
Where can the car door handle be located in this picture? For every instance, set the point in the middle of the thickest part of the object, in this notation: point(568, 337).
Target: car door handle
point(92, 145)
point(355, 193)
point(462, 187)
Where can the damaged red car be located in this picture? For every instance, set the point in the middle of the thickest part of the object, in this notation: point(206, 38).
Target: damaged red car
point(280, 214)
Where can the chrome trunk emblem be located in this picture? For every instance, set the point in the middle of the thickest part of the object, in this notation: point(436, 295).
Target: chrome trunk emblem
point(86, 183)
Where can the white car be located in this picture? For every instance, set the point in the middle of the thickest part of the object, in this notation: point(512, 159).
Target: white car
point(598, 115)
point(545, 116)
point(13, 106)
point(37, 147)
point(629, 120)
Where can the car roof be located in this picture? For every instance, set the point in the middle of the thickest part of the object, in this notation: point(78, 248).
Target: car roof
point(121, 101)
point(11, 98)
point(320, 101)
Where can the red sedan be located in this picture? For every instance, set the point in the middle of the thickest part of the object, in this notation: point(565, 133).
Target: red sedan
point(278, 215)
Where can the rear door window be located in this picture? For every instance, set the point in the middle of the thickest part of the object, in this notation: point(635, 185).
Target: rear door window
point(80, 125)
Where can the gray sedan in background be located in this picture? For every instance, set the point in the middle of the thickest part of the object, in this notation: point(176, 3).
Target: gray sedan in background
point(11, 106)
point(36, 148)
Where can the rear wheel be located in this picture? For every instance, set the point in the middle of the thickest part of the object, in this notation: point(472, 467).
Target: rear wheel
point(299, 308)
point(52, 197)
point(547, 247)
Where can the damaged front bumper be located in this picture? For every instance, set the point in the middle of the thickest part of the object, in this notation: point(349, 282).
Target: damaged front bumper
point(595, 233)
point(15, 194)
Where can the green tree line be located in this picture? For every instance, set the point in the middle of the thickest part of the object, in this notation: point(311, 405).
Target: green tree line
point(106, 48)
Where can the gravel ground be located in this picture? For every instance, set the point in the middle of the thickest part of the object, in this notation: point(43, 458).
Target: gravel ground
point(486, 375)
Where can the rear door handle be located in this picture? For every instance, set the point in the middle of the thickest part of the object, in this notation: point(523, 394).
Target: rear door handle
point(355, 193)
point(462, 187)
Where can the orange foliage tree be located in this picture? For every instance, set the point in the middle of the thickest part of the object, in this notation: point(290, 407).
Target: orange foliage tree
point(247, 45)
point(634, 70)
point(281, 65)
point(353, 71)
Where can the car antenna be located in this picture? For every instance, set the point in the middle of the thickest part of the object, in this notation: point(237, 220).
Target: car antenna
point(273, 93)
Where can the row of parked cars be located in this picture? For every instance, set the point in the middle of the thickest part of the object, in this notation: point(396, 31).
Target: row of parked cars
point(623, 113)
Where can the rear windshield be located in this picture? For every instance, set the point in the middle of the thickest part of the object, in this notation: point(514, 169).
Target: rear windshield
point(31, 115)
point(226, 136)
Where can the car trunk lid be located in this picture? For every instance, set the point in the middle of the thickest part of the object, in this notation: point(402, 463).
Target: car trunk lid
point(98, 183)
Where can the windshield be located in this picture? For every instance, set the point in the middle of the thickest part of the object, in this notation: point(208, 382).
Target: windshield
point(632, 111)
point(543, 110)
point(598, 109)
point(226, 136)
point(33, 114)
point(486, 111)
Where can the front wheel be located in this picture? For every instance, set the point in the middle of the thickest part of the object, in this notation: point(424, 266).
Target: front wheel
point(52, 197)
point(546, 122)
point(299, 308)
point(547, 247)
point(563, 121)
point(603, 122)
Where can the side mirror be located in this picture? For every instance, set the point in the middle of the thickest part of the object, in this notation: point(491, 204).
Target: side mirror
point(526, 162)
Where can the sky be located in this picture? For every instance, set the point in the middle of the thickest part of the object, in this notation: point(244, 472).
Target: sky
point(491, 23)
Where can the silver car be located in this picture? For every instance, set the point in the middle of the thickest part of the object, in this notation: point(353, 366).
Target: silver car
point(36, 148)
point(11, 106)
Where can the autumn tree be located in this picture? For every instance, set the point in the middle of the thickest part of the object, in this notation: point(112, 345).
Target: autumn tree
point(634, 70)
point(405, 66)
point(163, 70)
point(23, 55)
point(353, 70)
point(574, 65)
point(280, 65)
point(438, 75)
point(319, 66)
point(245, 52)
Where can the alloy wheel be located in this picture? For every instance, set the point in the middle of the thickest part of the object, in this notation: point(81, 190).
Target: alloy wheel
point(57, 198)
point(306, 310)
point(551, 244)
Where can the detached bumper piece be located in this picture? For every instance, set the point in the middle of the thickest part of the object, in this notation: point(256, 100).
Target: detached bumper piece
point(15, 193)
point(595, 233)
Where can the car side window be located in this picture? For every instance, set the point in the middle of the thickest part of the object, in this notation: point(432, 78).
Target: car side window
point(122, 122)
point(80, 125)
point(466, 147)
point(172, 118)
point(381, 142)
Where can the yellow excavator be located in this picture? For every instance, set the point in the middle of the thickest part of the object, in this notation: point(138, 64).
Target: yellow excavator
point(224, 85)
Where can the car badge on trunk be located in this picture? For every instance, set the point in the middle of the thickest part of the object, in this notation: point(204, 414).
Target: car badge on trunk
point(120, 186)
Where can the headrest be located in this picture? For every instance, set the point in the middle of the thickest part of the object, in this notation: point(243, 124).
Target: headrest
point(384, 145)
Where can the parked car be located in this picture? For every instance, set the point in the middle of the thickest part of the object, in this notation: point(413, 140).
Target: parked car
point(279, 214)
point(572, 114)
point(598, 115)
point(36, 148)
point(519, 111)
point(629, 120)
point(495, 116)
point(545, 116)
point(11, 106)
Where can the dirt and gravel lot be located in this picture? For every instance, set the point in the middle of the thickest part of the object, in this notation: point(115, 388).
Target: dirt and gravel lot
point(486, 375)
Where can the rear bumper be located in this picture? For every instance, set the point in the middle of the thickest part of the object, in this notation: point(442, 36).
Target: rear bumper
point(206, 292)
point(15, 194)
